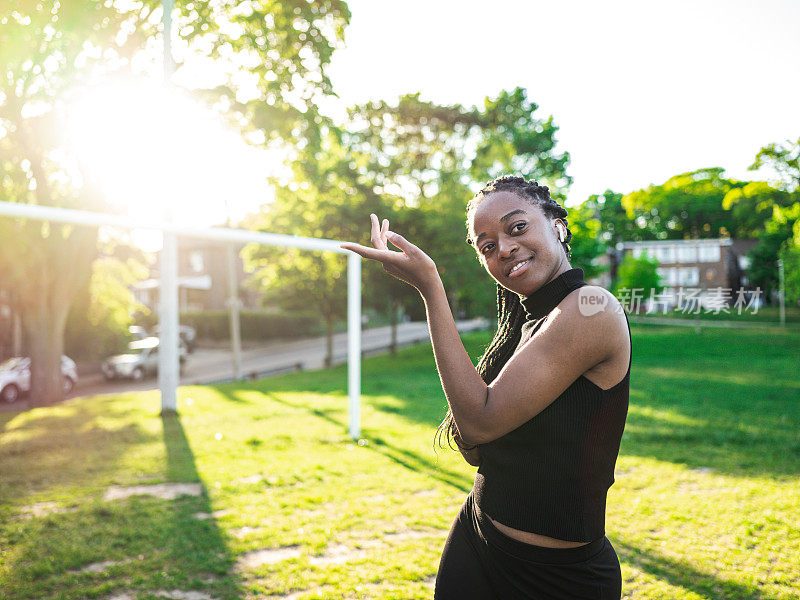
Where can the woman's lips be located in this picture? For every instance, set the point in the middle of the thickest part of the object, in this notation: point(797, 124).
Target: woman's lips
point(520, 268)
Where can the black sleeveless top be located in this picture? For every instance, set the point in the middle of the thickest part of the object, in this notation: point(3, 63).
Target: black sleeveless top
point(550, 475)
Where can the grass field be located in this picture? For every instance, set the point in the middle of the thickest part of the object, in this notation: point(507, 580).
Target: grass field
point(706, 502)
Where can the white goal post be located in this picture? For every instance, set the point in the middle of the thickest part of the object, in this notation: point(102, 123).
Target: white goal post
point(168, 366)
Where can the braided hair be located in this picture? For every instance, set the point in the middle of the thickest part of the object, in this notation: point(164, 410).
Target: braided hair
point(510, 312)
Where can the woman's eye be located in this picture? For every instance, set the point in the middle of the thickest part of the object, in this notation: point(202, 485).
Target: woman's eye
point(486, 248)
point(521, 226)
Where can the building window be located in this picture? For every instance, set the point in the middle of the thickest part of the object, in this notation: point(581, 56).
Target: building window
point(687, 254)
point(665, 254)
point(196, 261)
point(688, 276)
point(669, 275)
point(709, 254)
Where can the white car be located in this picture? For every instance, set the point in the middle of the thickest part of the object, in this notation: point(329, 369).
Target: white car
point(15, 377)
point(140, 361)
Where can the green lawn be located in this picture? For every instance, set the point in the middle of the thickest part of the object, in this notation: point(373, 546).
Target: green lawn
point(768, 316)
point(706, 502)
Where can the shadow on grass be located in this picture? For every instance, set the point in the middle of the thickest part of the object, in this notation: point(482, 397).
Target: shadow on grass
point(67, 459)
point(412, 461)
point(196, 549)
point(52, 449)
point(682, 574)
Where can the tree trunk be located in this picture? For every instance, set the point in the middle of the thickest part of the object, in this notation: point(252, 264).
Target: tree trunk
point(393, 314)
point(44, 330)
point(329, 342)
point(59, 266)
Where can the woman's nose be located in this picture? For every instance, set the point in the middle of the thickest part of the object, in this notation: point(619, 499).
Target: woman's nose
point(506, 248)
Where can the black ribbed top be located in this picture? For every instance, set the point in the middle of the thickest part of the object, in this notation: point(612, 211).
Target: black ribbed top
point(551, 475)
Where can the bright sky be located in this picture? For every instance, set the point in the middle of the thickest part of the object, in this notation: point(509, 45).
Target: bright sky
point(641, 90)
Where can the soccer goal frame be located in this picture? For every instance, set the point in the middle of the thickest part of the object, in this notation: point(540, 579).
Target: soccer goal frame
point(168, 359)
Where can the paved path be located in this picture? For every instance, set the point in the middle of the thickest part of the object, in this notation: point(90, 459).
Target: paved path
point(207, 365)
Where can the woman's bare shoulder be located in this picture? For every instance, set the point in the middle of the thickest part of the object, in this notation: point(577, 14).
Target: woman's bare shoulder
point(594, 314)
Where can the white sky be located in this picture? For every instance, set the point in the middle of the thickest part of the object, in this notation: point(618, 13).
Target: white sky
point(641, 90)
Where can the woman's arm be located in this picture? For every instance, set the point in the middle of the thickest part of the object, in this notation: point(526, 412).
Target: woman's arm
point(565, 347)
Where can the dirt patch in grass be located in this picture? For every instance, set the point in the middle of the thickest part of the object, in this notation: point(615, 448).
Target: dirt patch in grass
point(181, 595)
point(213, 515)
point(172, 595)
point(165, 491)
point(338, 554)
point(99, 567)
point(266, 556)
point(42, 509)
point(243, 532)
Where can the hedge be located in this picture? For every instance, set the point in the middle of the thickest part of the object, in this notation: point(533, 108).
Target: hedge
point(255, 325)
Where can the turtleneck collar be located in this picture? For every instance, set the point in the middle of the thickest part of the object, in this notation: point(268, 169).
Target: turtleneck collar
point(547, 297)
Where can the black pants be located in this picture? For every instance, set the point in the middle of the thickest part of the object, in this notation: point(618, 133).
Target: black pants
point(480, 562)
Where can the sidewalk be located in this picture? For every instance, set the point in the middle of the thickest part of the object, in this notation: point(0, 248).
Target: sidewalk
point(209, 365)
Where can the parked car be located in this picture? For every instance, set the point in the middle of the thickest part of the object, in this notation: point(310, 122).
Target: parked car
point(15, 377)
point(140, 361)
point(187, 334)
point(138, 332)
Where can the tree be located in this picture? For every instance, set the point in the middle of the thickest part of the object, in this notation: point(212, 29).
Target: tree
point(512, 140)
point(784, 160)
point(790, 255)
point(751, 206)
point(777, 235)
point(99, 318)
point(587, 244)
point(638, 274)
point(325, 199)
point(615, 224)
point(421, 152)
point(686, 206)
point(781, 204)
point(50, 48)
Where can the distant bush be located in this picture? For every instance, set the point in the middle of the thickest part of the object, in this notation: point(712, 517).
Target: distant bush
point(255, 325)
point(638, 273)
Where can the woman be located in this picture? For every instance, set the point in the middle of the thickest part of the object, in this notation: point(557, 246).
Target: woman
point(543, 413)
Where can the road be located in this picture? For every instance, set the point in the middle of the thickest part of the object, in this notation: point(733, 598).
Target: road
point(207, 365)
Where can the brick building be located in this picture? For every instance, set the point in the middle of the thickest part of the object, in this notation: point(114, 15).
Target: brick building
point(202, 278)
point(699, 264)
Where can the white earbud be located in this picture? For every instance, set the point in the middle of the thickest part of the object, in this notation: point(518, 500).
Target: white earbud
point(561, 231)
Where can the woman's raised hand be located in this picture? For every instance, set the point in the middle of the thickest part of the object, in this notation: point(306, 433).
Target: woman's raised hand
point(411, 264)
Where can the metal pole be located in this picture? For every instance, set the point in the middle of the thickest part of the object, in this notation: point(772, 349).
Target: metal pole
point(239, 236)
point(168, 359)
point(85, 217)
point(354, 342)
point(783, 293)
point(233, 306)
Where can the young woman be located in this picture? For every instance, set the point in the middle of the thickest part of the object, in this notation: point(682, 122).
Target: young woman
point(542, 415)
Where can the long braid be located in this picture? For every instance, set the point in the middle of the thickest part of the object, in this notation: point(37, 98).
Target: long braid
point(510, 312)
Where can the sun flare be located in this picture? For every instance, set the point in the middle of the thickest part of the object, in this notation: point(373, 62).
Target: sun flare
point(157, 154)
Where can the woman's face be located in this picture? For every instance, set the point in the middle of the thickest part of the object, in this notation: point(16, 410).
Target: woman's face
point(516, 242)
